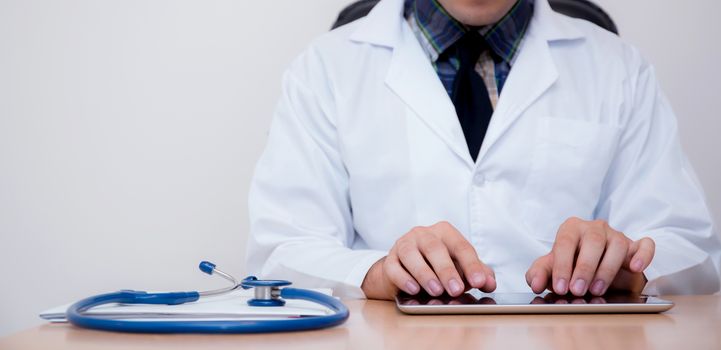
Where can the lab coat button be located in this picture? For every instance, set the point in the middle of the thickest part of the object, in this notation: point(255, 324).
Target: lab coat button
point(479, 179)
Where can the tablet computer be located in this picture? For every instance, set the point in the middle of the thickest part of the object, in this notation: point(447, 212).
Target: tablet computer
point(476, 302)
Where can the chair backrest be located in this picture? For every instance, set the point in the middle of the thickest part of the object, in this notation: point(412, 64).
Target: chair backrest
point(582, 9)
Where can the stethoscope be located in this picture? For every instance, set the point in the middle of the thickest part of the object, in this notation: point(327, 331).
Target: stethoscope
point(268, 293)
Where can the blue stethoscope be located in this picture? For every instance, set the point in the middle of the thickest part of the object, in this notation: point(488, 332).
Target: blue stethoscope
point(268, 293)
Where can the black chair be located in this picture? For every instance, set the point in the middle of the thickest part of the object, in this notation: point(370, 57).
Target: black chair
point(582, 9)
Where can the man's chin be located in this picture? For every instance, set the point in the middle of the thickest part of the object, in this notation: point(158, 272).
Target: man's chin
point(477, 13)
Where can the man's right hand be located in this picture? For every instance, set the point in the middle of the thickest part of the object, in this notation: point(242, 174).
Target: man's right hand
point(435, 258)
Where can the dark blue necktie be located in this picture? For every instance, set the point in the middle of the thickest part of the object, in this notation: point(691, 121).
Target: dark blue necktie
point(470, 95)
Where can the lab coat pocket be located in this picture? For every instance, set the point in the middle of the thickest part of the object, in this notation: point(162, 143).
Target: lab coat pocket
point(569, 163)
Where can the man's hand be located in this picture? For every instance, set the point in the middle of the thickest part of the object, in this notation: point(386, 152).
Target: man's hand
point(436, 258)
point(591, 256)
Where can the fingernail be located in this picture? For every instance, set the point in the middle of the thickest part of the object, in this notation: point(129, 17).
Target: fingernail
point(490, 281)
point(561, 286)
point(435, 287)
point(535, 282)
point(455, 286)
point(598, 287)
point(579, 287)
point(412, 287)
point(637, 265)
point(477, 279)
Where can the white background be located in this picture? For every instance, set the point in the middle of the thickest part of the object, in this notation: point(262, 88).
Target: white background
point(129, 131)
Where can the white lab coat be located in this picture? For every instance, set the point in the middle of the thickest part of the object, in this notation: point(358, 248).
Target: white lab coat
point(365, 144)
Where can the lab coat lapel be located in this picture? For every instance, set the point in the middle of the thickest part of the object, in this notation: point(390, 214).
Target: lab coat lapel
point(532, 74)
point(412, 77)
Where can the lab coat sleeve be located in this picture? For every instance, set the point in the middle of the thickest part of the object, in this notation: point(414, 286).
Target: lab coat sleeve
point(651, 190)
point(300, 213)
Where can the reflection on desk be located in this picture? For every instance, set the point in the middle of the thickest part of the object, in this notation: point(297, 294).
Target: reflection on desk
point(693, 324)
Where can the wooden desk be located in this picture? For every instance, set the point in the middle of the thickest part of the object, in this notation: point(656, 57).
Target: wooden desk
point(694, 323)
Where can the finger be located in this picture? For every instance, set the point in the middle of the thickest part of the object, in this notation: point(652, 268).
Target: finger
point(454, 240)
point(490, 284)
point(564, 252)
point(613, 258)
point(416, 265)
point(399, 276)
point(628, 281)
point(592, 245)
point(641, 254)
point(435, 251)
point(477, 273)
point(470, 265)
point(539, 273)
point(466, 284)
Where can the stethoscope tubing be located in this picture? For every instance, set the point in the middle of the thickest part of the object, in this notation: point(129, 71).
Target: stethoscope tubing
point(77, 314)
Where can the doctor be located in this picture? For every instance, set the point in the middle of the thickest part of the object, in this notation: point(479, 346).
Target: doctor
point(449, 144)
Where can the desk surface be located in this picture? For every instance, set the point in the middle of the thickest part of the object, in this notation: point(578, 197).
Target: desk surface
point(694, 323)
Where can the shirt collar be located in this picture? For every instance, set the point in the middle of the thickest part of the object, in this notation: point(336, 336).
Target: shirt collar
point(442, 30)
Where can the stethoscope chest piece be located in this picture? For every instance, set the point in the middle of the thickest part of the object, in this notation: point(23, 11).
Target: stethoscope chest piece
point(267, 292)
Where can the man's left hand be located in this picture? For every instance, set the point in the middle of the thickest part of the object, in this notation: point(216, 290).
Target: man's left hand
point(590, 256)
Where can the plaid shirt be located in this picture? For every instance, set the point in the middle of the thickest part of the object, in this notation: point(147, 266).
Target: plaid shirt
point(436, 30)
